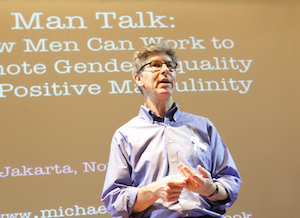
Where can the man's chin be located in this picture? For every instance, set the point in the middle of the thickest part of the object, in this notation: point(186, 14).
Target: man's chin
point(165, 86)
point(165, 91)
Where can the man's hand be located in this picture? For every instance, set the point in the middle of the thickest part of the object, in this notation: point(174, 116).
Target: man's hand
point(168, 189)
point(202, 183)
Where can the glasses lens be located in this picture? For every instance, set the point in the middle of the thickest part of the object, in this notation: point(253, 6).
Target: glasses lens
point(157, 65)
point(171, 65)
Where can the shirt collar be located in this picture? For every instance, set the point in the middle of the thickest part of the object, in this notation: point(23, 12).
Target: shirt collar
point(171, 115)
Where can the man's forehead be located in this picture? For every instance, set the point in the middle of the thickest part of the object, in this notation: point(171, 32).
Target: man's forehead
point(159, 56)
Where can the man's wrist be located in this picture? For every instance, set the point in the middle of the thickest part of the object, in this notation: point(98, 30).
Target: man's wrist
point(215, 192)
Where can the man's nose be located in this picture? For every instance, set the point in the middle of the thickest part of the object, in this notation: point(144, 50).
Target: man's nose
point(164, 69)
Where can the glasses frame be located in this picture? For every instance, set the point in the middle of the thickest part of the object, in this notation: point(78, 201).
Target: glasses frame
point(171, 69)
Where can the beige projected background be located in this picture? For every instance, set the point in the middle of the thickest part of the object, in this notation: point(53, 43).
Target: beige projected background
point(65, 86)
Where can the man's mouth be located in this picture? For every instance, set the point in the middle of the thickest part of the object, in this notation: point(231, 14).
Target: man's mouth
point(165, 81)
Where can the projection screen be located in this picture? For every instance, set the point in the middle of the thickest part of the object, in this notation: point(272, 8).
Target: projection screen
point(66, 86)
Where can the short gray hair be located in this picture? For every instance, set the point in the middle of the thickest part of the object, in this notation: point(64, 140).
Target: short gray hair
point(144, 52)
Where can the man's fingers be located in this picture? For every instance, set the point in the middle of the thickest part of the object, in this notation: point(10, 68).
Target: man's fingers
point(203, 172)
point(184, 169)
point(176, 182)
point(180, 168)
point(187, 172)
point(171, 188)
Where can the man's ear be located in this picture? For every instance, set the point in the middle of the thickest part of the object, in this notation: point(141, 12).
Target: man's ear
point(138, 80)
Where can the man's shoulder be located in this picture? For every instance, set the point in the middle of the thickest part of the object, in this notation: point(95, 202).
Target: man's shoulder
point(134, 122)
point(191, 116)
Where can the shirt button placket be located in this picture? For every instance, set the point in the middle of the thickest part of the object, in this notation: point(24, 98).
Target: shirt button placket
point(172, 152)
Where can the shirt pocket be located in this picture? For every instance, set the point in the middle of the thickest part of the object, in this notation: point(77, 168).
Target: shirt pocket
point(196, 152)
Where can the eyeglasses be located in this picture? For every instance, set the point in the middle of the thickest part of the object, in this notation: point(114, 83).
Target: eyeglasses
point(157, 65)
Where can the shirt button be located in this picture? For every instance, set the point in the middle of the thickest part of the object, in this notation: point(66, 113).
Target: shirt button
point(173, 160)
point(170, 141)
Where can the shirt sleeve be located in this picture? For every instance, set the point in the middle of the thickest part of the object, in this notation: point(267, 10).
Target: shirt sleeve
point(118, 195)
point(223, 169)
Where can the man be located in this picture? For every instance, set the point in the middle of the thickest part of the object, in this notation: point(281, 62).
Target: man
point(166, 162)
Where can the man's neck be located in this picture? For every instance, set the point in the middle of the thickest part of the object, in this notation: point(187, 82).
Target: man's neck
point(160, 108)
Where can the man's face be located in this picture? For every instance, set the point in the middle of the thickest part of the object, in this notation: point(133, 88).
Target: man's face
point(158, 85)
